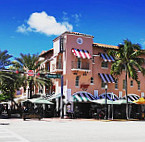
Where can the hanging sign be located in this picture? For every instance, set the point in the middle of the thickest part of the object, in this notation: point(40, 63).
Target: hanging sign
point(30, 72)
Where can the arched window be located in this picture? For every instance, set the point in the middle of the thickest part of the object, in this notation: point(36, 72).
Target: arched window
point(77, 81)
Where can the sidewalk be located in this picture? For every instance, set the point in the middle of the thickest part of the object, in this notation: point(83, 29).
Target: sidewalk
point(81, 119)
point(7, 121)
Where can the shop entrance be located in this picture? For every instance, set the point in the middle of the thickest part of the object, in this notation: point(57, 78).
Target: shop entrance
point(82, 110)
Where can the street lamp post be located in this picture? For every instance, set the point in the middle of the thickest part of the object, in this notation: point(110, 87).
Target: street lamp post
point(112, 104)
point(106, 87)
point(62, 97)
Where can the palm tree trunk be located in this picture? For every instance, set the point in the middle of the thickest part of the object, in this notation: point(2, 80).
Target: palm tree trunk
point(30, 87)
point(127, 110)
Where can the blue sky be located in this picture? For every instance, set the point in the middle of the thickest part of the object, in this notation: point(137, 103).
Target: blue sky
point(29, 26)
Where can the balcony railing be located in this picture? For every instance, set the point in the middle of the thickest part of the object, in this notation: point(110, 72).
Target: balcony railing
point(80, 65)
point(58, 65)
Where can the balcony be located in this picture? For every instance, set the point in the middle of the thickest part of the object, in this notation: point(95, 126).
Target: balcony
point(57, 68)
point(80, 66)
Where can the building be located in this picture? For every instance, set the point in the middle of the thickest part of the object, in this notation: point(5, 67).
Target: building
point(85, 67)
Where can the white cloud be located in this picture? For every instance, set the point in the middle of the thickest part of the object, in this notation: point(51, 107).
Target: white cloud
point(65, 16)
point(77, 18)
point(43, 23)
point(22, 29)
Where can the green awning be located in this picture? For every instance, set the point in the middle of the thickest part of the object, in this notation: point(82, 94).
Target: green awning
point(102, 101)
point(40, 101)
point(109, 102)
point(119, 102)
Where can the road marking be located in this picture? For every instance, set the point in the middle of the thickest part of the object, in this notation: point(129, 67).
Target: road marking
point(9, 136)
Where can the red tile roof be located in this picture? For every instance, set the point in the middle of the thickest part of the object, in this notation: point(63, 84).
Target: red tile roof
point(74, 33)
point(105, 45)
point(45, 52)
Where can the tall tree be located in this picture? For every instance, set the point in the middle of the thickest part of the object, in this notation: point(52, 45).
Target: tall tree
point(31, 62)
point(5, 76)
point(4, 59)
point(4, 63)
point(128, 59)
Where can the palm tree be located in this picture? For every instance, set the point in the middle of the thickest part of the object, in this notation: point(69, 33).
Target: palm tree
point(4, 63)
point(5, 76)
point(31, 62)
point(128, 58)
point(9, 81)
point(4, 59)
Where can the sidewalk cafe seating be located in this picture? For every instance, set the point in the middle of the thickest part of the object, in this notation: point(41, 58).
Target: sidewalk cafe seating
point(29, 114)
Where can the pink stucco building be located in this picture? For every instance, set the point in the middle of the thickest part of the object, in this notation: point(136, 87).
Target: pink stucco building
point(85, 66)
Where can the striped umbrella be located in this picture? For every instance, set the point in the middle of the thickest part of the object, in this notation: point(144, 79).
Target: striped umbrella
point(139, 101)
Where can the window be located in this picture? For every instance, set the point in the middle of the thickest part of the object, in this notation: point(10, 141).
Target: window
point(77, 81)
point(48, 67)
point(61, 44)
point(92, 80)
point(93, 60)
point(103, 84)
point(59, 62)
point(116, 84)
point(120, 94)
point(123, 84)
point(131, 83)
point(79, 63)
point(104, 64)
point(142, 94)
point(138, 85)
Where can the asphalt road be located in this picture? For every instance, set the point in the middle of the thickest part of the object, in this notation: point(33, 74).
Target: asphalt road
point(66, 130)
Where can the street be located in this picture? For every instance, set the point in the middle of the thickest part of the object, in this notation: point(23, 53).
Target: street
point(75, 130)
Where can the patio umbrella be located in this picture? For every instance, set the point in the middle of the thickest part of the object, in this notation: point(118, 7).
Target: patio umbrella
point(102, 101)
point(139, 101)
point(119, 102)
point(39, 101)
point(42, 101)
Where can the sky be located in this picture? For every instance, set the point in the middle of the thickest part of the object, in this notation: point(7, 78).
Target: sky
point(29, 26)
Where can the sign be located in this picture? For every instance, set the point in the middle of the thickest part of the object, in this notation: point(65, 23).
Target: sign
point(61, 44)
point(30, 72)
point(53, 75)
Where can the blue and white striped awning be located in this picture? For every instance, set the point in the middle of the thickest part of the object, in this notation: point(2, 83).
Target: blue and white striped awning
point(83, 97)
point(110, 96)
point(132, 97)
point(107, 78)
point(107, 58)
